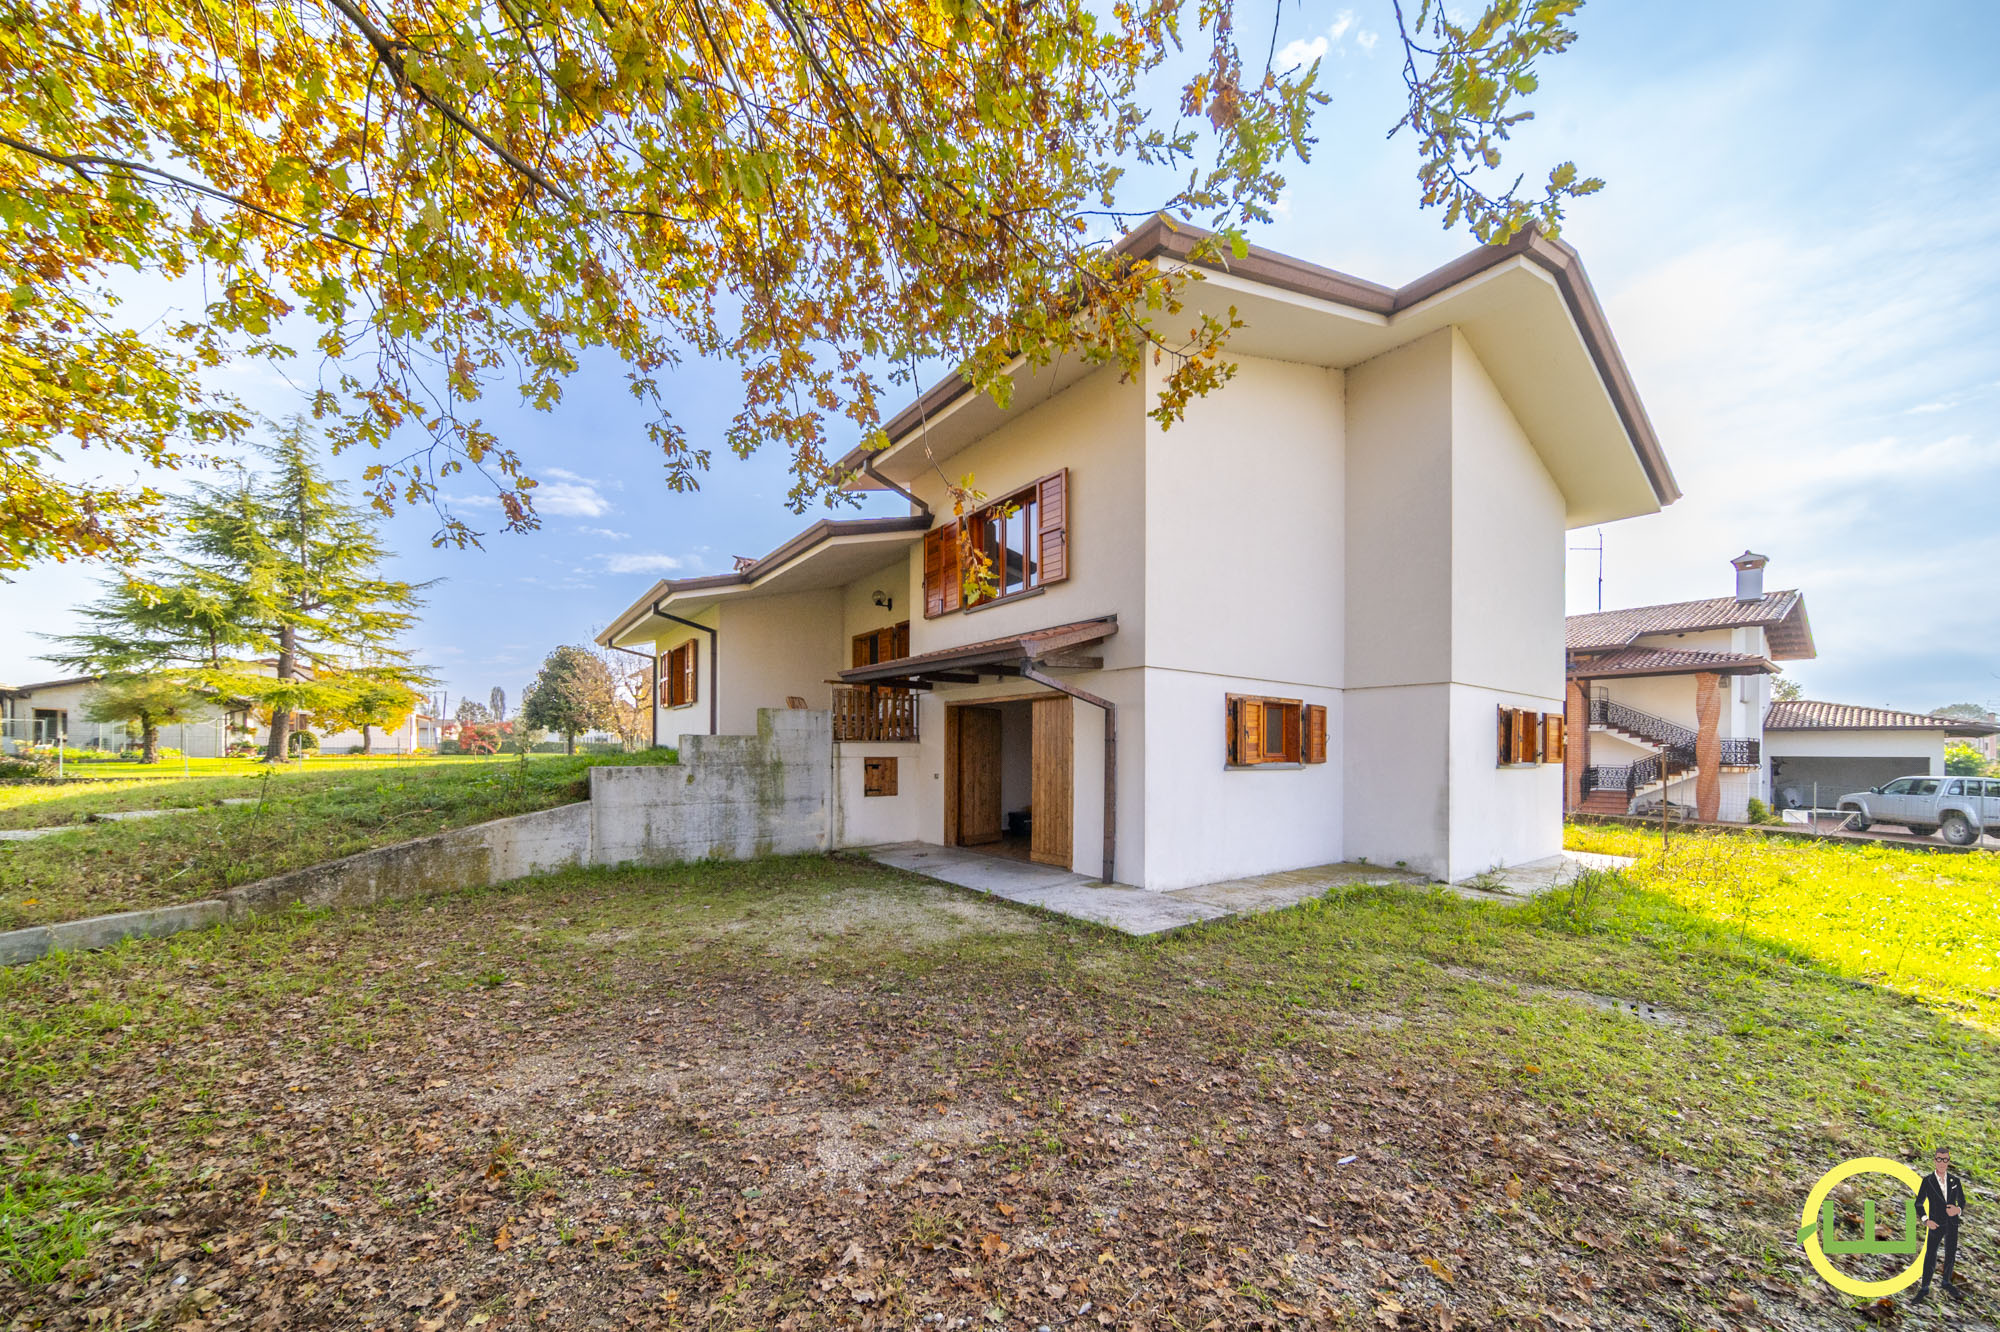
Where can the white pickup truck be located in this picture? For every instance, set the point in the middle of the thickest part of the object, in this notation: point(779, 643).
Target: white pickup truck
point(1959, 808)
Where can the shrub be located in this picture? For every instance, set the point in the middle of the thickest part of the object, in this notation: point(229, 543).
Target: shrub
point(26, 766)
point(1761, 812)
point(304, 740)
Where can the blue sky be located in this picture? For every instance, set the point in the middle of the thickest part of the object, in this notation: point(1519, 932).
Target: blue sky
point(1798, 249)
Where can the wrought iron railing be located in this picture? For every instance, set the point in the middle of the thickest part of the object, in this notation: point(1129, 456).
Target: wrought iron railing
point(874, 713)
point(1604, 712)
point(1741, 754)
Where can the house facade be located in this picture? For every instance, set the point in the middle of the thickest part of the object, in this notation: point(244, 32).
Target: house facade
point(1316, 620)
point(1817, 752)
point(1669, 701)
point(1674, 702)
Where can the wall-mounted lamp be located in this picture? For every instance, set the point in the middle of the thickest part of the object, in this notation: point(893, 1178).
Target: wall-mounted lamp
point(885, 601)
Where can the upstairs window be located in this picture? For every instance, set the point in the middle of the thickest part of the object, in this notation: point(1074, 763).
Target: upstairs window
point(1021, 541)
point(679, 675)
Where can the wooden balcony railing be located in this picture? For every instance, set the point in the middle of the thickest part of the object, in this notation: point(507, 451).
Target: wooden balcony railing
point(871, 712)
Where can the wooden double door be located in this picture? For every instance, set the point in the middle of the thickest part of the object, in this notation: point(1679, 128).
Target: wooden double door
point(973, 747)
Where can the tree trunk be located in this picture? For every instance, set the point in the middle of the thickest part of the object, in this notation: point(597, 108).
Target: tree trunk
point(276, 749)
point(149, 743)
point(367, 740)
point(569, 743)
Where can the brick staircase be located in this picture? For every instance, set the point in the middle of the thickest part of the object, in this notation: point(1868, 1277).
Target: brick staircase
point(1603, 802)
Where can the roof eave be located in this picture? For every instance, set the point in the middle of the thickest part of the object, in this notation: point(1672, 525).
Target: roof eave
point(1159, 237)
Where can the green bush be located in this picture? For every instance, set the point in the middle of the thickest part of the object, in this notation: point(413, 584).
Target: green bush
point(1761, 812)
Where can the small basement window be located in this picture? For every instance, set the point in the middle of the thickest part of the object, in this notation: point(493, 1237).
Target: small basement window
point(878, 776)
point(1274, 730)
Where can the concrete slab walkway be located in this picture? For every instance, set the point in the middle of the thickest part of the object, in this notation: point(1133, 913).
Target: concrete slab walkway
point(1139, 911)
point(1120, 906)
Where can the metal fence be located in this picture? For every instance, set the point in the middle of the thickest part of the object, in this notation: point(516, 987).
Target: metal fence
point(63, 738)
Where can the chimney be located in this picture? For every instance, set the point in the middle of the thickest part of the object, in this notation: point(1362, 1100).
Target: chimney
point(1750, 576)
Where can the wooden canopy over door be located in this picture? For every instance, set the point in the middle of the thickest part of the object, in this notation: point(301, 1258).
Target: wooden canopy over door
point(1053, 757)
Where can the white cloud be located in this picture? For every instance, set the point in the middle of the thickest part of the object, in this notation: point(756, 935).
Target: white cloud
point(637, 563)
point(570, 499)
point(605, 533)
point(1923, 407)
point(1299, 54)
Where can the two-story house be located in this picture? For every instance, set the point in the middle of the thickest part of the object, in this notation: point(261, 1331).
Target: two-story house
point(1316, 620)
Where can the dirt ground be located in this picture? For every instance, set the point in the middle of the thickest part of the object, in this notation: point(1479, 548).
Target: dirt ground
point(843, 1097)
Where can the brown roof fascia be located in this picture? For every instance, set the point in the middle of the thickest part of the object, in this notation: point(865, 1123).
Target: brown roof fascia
point(1157, 236)
point(1605, 667)
point(823, 530)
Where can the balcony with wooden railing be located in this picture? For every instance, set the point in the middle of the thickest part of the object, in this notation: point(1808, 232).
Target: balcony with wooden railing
point(874, 713)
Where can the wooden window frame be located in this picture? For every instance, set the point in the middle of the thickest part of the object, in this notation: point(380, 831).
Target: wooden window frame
point(878, 775)
point(946, 547)
point(888, 643)
point(1529, 739)
point(680, 675)
point(1302, 732)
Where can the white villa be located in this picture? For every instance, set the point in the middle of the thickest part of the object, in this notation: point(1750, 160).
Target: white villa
point(1318, 620)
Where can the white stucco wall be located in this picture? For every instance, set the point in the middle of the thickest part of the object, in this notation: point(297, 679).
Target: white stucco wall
point(1096, 429)
point(1507, 559)
point(1245, 594)
point(1395, 755)
point(865, 820)
point(1454, 593)
point(1206, 820)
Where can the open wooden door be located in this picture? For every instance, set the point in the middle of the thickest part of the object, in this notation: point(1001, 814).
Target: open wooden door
point(978, 775)
point(1053, 759)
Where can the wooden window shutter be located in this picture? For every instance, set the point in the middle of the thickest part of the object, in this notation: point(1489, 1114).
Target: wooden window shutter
point(1249, 730)
point(942, 578)
point(1315, 734)
point(666, 678)
point(899, 643)
point(1526, 750)
point(934, 572)
point(1554, 741)
point(861, 645)
point(1506, 752)
point(1052, 499)
point(693, 676)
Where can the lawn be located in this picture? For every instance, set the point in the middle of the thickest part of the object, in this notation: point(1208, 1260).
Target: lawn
point(816, 1093)
point(169, 769)
point(1922, 922)
point(300, 816)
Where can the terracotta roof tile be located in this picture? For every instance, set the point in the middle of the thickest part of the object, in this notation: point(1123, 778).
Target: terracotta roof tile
point(1012, 648)
point(1782, 616)
point(1651, 661)
point(1807, 715)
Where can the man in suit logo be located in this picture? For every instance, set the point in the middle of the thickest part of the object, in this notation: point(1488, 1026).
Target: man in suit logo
point(1941, 1200)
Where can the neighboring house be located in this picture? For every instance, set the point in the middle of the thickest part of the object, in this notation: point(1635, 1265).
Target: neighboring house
point(1669, 700)
point(1678, 702)
point(1821, 751)
point(419, 730)
point(1317, 620)
point(40, 714)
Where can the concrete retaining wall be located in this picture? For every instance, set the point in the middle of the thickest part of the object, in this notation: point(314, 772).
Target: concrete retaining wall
point(731, 797)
